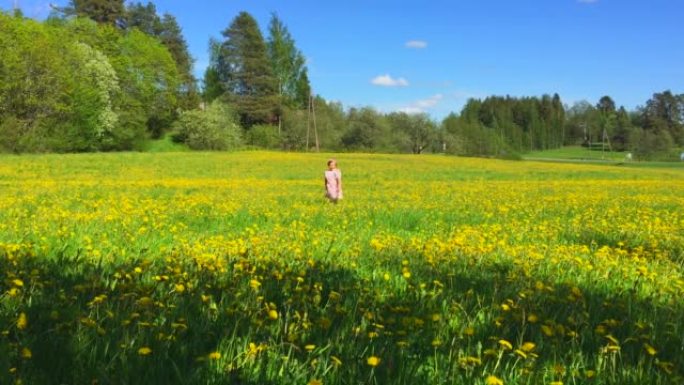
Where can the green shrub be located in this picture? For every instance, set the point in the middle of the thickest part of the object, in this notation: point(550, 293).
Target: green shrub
point(215, 128)
point(264, 136)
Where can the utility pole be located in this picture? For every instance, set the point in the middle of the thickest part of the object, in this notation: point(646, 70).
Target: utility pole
point(313, 113)
point(308, 122)
point(311, 116)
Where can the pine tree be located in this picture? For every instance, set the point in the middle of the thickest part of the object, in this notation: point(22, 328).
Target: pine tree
point(171, 36)
point(246, 73)
point(143, 17)
point(102, 11)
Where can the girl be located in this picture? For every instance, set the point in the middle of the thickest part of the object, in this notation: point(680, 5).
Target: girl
point(333, 182)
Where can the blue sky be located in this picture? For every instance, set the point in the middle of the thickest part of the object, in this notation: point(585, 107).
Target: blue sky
point(431, 56)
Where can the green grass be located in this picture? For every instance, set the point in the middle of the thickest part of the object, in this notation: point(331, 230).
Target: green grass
point(231, 268)
point(165, 144)
point(578, 153)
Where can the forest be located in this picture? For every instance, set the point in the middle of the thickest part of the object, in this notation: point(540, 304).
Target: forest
point(102, 75)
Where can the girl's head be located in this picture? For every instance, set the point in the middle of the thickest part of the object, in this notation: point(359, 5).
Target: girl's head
point(332, 164)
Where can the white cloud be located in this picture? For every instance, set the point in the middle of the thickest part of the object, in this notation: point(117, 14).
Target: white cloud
point(422, 105)
point(419, 44)
point(388, 81)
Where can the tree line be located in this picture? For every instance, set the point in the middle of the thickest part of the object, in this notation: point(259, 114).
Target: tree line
point(99, 75)
point(73, 84)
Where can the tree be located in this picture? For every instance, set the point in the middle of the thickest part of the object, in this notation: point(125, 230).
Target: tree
point(143, 17)
point(623, 127)
point(607, 116)
point(94, 123)
point(606, 105)
point(110, 12)
point(171, 36)
point(581, 126)
point(418, 130)
point(246, 73)
point(288, 64)
point(169, 33)
point(367, 130)
point(212, 86)
point(664, 112)
point(147, 75)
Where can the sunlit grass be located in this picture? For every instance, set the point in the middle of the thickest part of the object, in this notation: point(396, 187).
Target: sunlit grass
point(233, 268)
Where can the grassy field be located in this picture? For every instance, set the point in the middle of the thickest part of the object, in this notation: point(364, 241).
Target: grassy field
point(215, 268)
point(578, 153)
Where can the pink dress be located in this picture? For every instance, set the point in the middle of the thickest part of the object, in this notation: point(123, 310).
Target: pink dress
point(333, 184)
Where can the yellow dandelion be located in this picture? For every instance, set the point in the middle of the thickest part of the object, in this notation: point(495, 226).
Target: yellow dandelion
point(18, 283)
point(469, 331)
point(590, 373)
point(309, 347)
point(144, 351)
point(556, 383)
point(532, 318)
point(214, 355)
point(254, 284)
point(273, 314)
point(528, 347)
point(505, 344)
point(180, 288)
point(315, 382)
point(373, 361)
point(493, 380)
point(26, 353)
point(22, 321)
point(520, 353)
point(650, 350)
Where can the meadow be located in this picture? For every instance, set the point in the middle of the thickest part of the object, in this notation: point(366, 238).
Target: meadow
point(231, 268)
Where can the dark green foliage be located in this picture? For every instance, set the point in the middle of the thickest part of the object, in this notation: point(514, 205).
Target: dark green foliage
point(623, 126)
point(294, 130)
point(501, 126)
point(367, 130)
point(143, 17)
point(243, 68)
point(664, 113)
point(414, 133)
point(264, 136)
point(213, 88)
point(110, 12)
point(651, 145)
